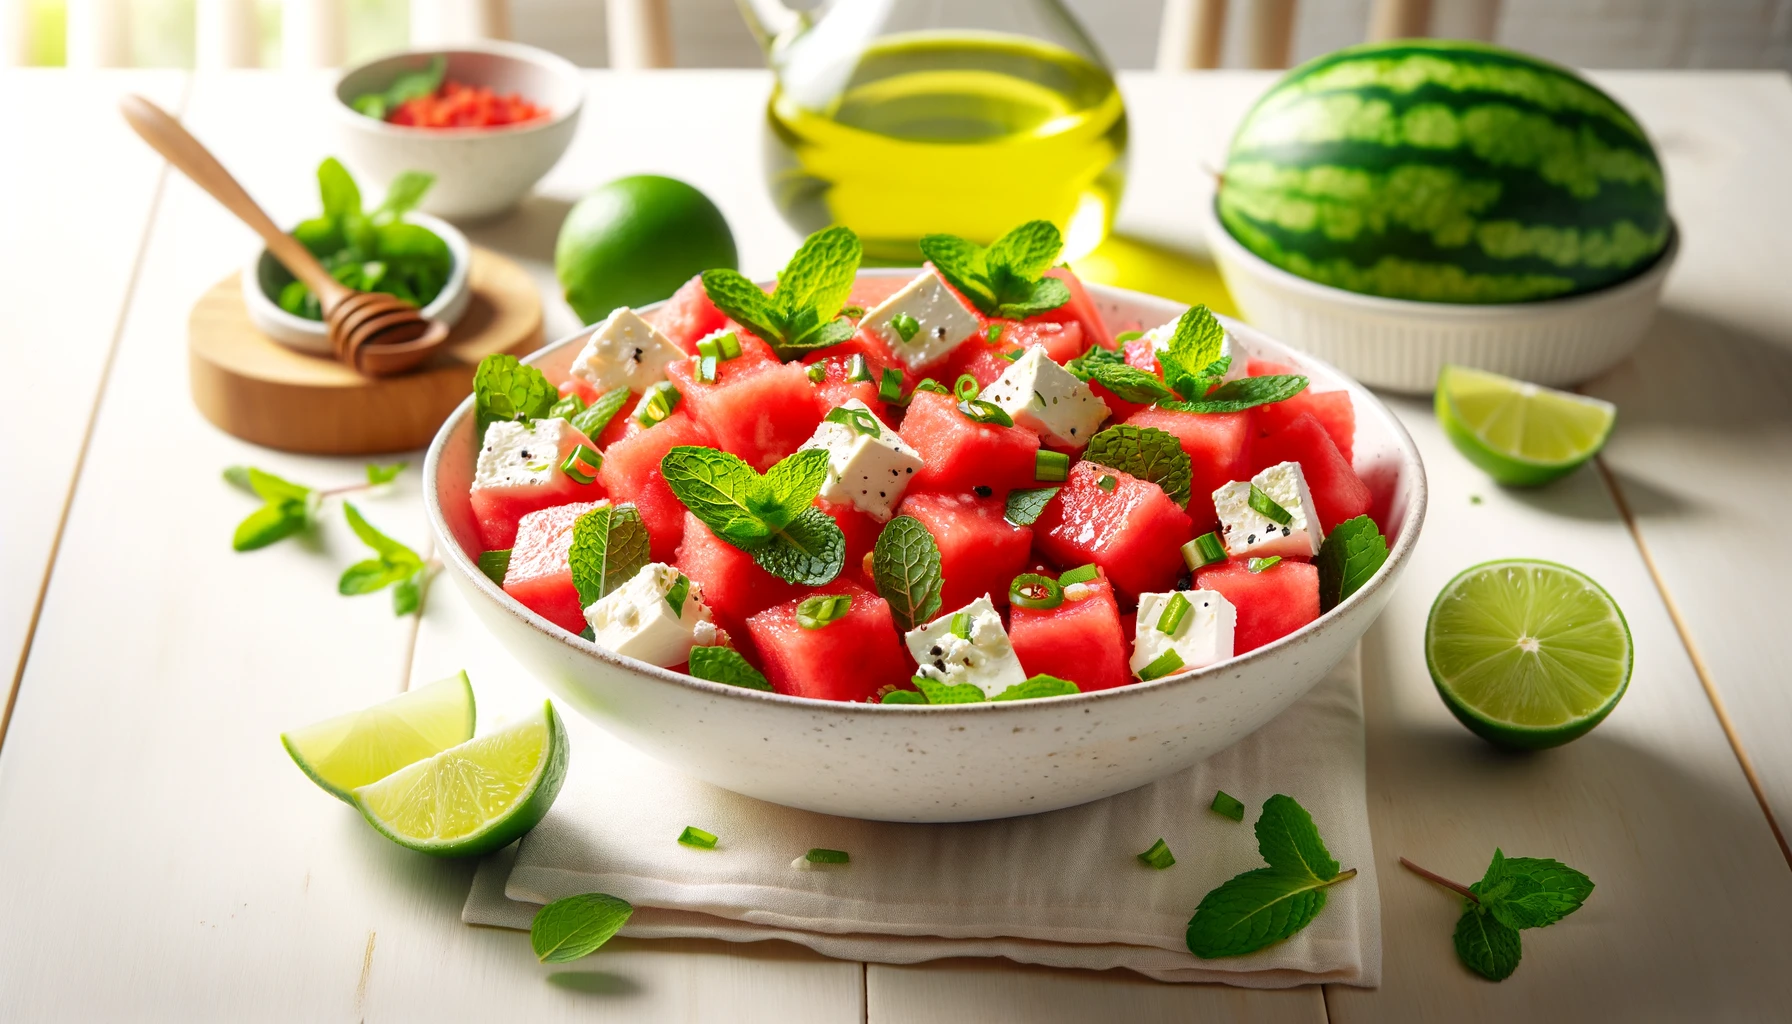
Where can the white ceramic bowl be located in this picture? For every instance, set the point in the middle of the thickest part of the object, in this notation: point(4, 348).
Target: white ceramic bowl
point(311, 336)
point(1401, 345)
point(479, 171)
point(951, 763)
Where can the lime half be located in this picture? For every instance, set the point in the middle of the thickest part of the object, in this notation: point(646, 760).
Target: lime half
point(476, 797)
point(1527, 654)
point(1520, 434)
point(349, 751)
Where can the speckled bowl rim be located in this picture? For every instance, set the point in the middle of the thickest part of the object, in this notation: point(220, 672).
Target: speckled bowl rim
point(553, 63)
point(1401, 552)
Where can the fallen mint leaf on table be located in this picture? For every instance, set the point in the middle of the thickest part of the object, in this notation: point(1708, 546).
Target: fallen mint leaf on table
point(1515, 893)
point(287, 508)
point(1486, 946)
point(393, 565)
point(377, 474)
point(577, 926)
point(1266, 905)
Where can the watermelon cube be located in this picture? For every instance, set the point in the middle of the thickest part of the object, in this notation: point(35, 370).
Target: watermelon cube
point(1218, 447)
point(734, 585)
point(1271, 604)
point(1133, 532)
point(631, 472)
point(539, 575)
point(1080, 640)
point(980, 551)
point(836, 363)
point(1333, 409)
point(519, 473)
point(688, 315)
point(962, 454)
point(853, 657)
point(760, 410)
point(1338, 493)
point(1080, 309)
point(985, 362)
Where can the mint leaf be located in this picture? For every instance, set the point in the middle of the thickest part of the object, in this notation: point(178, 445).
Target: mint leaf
point(272, 522)
point(377, 474)
point(271, 488)
point(718, 488)
point(1266, 905)
point(725, 665)
point(1041, 685)
point(1194, 345)
point(336, 187)
point(403, 195)
point(505, 389)
point(793, 484)
point(596, 416)
point(1082, 367)
point(1242, 394)
point(1146, 453)
point(1352, 553)
point(369, 576)
point(809, 550)
point(1289, 841)
point(1026, 252)
point(1129, 383)
point(238, 476)
point(903, 697)
point(609, 546)
point(1033, 298)
point(1531, 892)
point(802, 314)
point(394, 564)
point(961, 263)
point(949, 693)
point(1486, 946)
point(388, 549)
point(744, 302)
point(568, 929)
point(1006, 279)
point(407, 595)
point(1026, 504)
point(905, 565)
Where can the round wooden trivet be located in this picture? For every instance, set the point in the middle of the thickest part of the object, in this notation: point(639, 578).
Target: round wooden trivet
point(254, 387)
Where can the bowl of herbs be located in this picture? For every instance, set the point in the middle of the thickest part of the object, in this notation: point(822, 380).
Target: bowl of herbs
point(390, 248)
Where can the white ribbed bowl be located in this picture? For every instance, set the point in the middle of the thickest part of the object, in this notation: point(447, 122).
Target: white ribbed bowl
point(1401, 345)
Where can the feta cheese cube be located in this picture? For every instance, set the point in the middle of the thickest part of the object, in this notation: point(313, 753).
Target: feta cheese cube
point(637, 619)
point(524, 455)
point(1202, 637)
point(625, 351)
point(1248, 532)
point(985, 658)
point(935, 322)
point(1160, 336)
point(1048, 400)
point(865, 470)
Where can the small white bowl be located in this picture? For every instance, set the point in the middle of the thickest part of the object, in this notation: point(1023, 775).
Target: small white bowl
point(1401, 345)
point(479, 171)
point(311, 336)
point(960, 762)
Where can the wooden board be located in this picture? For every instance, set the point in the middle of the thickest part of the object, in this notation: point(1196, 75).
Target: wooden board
point(251, 386)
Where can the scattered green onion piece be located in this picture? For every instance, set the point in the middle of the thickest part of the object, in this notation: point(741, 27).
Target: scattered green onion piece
point(978, 410)
point(929, 384)
point(1267, 507)
point(708, 347)
point(1031, 590)
point(961, 625)
point(1108, 482)
point(495, 564)
point(966, 387)
point(1080, 574)
point(821, 856)
point(822, 610)
point(1051, 467)
point(993, 333)
point(858, 419)
point(890, 388)
point(817, 372)
point(1125, 336)
point(1161, 666)
point(694, 836)
point(657, 403)
point(1175, 610)
point(1015, 355)
point(729, 344)
point(567, 407)
point(905, 326)
point(706, 369)
point(582, 464)
point(857, 369)
point(681, 589)
point(1260, 564)
point(1203, 551)
point(1228, 805)
point(1158, 856)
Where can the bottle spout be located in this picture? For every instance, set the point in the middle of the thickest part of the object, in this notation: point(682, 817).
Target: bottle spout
point(771, 22)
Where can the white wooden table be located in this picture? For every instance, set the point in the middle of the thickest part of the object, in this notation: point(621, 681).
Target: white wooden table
point(161, 859)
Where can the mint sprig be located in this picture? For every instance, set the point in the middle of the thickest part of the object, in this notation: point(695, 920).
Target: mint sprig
point(1516, 893)
point(393, 565)
point(1026, 504)
point(1146, 453)
point(1007, 278)
point(905, 565)
point(506, 389)
point(1128, 383)
point(772, 517)
point(287, 508)
point(1352, 553)
point(575, 927)
point(725, 665)
point(1242, 394)
point(1192, 365)
point(609, 546)
point(802, 314)
point(1265, 905)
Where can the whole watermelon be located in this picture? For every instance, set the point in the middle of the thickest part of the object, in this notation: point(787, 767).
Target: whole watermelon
point(1445, 172)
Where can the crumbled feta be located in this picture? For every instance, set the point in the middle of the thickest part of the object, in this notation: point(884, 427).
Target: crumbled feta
point(941, 323)
point(985, 659)
point(638, 621)
point(864, 470)
point(1250, 532)
point(524, 455)
point(1160, 336)
point(1047, 399)
point(1203, 637)
point(625, 351)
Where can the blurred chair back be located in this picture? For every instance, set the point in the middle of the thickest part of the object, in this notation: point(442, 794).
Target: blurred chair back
point(1193, 32)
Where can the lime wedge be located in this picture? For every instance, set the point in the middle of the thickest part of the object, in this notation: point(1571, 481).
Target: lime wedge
point(1521, 434)
point(476, 797)
point(349, 751)
point(1527, 654)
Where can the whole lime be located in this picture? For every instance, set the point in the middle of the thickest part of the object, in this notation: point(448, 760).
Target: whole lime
point(635, 240)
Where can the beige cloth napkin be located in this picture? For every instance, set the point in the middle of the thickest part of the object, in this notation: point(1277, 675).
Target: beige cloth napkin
point(1062, 889)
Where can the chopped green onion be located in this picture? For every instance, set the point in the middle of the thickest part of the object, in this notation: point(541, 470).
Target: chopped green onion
point(858, 419)
point(593, 420)
point(857, 369)
point(890, 388)
point(694, 836)
point(1108, 482)
point(1161, 666)
point(961, 625)
point(821, 856)
point(929, 384)
point(681, 589)
point(723, 346)
point(1228, 805)
point(708, 347)
point(822, 610)
point(1175, 610)
point(1260, 564)
point(1158, 856)
point(706, 369)
point(1203, 551)
point(905, 326)
point(1080, 574)
point(582, 464)
point(495, 564)
point(978, 410)
point(1015, 355)
point(1125, 336)
point(966, 387)
point(1051, 467)
point(657, 403)
point(567, 407)
point(853, 312)
point(1031, 590)
point(1267, 507)
point(817, 372)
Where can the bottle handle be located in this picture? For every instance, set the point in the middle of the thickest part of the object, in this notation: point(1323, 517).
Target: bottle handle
point(770, 20)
